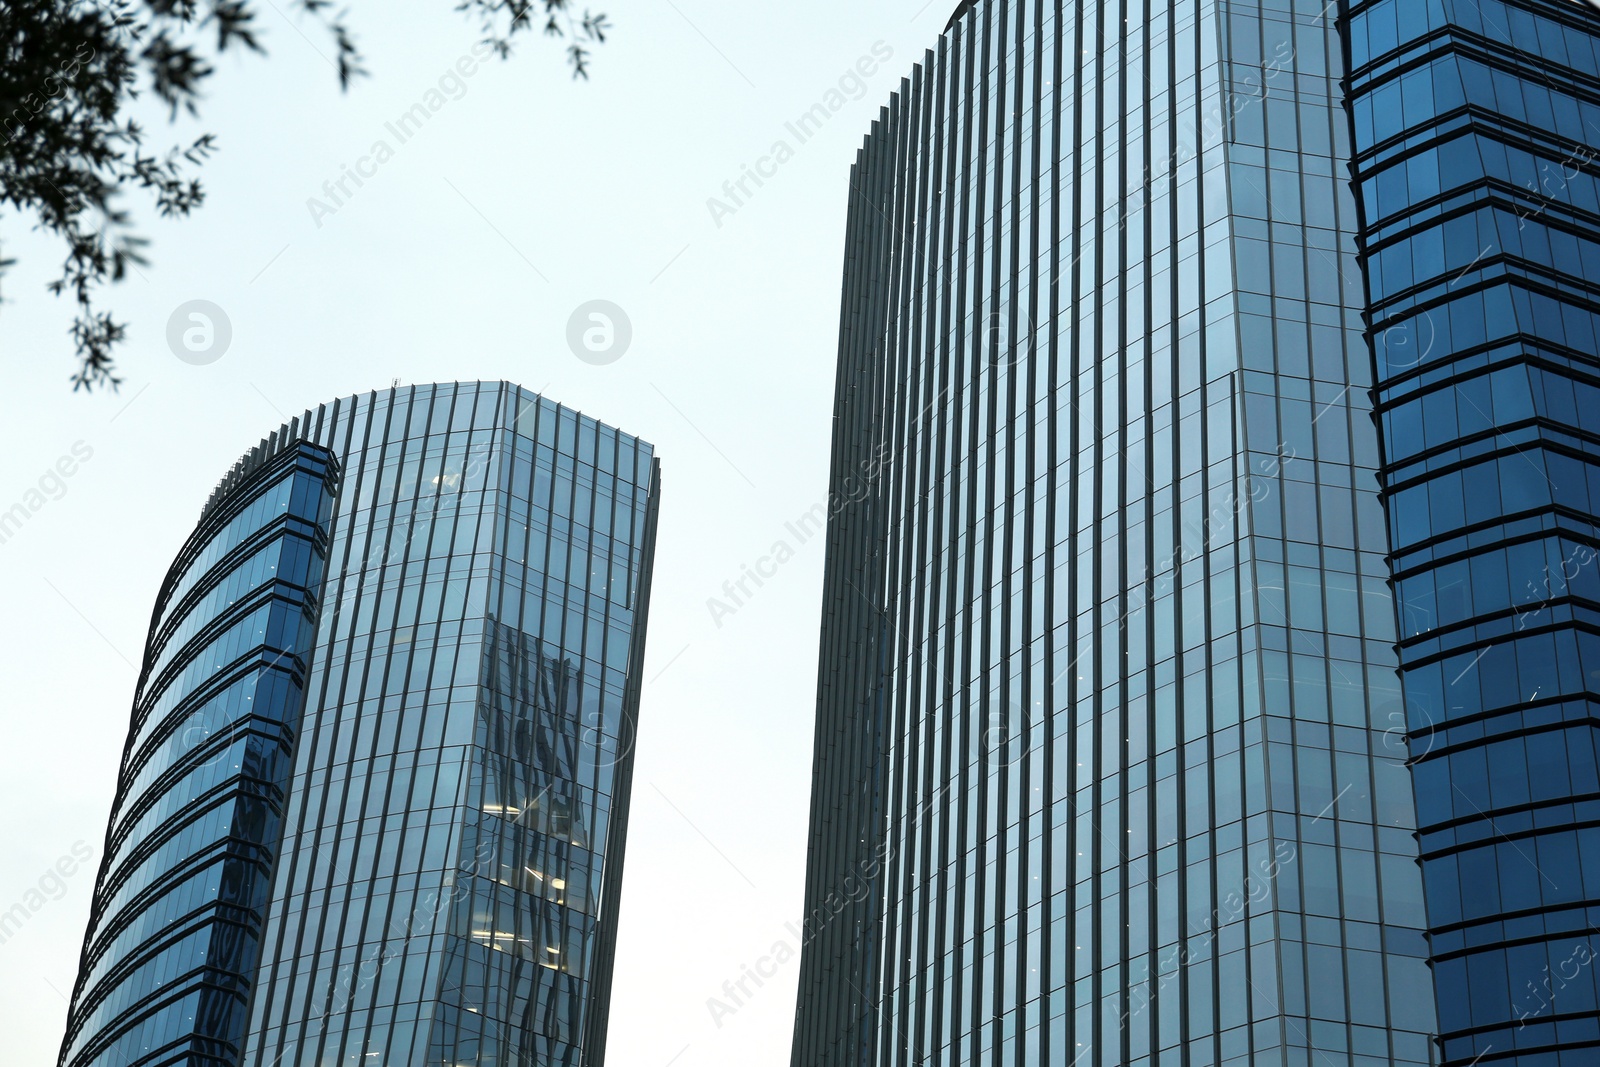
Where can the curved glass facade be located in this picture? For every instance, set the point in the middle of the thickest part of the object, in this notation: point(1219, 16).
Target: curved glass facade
point(1110, 748)
point(169, 960)
point(454, 812)
point(1474, 124)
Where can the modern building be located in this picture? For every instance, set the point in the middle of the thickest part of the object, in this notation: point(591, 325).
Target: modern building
point(1475, 125)
point(1110, 749)
point(374, 799)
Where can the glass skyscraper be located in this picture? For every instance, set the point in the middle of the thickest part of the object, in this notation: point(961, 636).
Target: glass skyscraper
point(374, 798)
point(1111, 749)
point(1474, 128)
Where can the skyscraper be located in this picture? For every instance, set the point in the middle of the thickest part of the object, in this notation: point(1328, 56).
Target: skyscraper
point(1110, 747)
point(374, 799)
point(1474, 131)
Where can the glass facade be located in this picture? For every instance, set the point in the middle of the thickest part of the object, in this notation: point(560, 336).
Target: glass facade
point(386, 723)
point(175, 935)
point(1110, 750)
point(1473, 126)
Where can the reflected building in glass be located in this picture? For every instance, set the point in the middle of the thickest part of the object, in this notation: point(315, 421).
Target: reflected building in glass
point(374, 799)
point(1475, 124)
point(1110, 750)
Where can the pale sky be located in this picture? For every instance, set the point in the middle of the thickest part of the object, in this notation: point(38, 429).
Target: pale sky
point(463, 256)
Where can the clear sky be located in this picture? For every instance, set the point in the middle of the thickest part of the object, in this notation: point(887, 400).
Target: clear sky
point(463, 255)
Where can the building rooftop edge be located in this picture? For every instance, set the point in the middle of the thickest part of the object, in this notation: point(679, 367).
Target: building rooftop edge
point(297, 429)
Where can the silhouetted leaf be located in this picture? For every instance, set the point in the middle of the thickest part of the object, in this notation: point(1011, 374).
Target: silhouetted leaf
point(70, 69)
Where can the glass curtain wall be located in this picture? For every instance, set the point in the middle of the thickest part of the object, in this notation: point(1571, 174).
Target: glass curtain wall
point(453, 795)
point(170, 955)
point(1475, 125)
point(1110, 750)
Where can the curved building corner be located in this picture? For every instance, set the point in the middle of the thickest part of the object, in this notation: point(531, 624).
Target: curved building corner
point(373, 804)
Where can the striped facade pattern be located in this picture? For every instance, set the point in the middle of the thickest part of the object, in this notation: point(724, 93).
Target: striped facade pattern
point(1110, 748)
